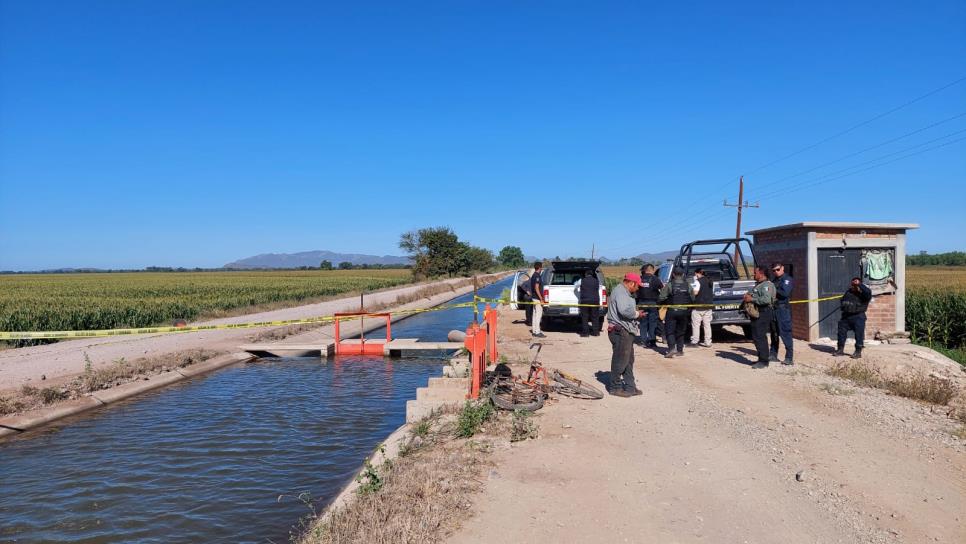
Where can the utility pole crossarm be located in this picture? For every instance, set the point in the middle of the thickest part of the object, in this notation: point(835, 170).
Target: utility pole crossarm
point(740, 205)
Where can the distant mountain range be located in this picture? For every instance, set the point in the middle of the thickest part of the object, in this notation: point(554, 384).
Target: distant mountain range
point(313, 258)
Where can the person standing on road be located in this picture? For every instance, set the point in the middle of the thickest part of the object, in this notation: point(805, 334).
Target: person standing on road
point(676, 293)
point(523, 296)
point(536, 291)
point(588, 296)
point(762, 296)
point(622, 329)
point(854, 303)
point(703, 291)
point(647, 296)
point(783, 314)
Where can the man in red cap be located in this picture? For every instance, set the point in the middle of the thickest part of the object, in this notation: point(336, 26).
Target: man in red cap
point(622, 329)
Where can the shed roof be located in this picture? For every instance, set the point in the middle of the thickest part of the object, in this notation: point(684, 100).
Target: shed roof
point(837, 225)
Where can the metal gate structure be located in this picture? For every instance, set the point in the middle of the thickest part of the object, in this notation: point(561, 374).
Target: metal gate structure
point(836, 268)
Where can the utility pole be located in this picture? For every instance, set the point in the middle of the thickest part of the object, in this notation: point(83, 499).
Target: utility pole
point(741, 204)
point(593, 251)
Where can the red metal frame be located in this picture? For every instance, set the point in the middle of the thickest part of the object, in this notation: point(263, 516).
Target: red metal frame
point(363, 347)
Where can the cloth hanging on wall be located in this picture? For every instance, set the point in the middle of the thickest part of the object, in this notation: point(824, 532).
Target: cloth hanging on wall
point(878, 270)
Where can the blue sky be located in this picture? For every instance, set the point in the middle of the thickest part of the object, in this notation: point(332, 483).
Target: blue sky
point(195, 133)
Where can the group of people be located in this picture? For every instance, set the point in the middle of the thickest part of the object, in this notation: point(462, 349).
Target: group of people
point(634, 307)
point(767, 305)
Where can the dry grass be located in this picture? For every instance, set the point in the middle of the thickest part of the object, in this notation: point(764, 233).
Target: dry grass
point(426, 491)
point(917, 386)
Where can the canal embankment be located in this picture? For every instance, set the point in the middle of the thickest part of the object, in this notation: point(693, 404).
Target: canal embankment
point(61, 395)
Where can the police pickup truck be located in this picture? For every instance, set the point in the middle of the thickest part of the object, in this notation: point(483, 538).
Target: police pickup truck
point(559, 288)
point(729, 263)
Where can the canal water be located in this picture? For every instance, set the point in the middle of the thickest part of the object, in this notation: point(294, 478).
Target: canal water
point(239, 455)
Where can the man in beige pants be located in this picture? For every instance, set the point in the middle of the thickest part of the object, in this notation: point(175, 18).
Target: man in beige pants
point(703, 291)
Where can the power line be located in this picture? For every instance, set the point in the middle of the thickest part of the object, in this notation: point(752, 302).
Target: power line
point(850, 155)
point(821, 181)
point(859, 125)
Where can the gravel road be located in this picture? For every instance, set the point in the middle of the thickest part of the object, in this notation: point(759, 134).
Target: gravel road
point(717, 452)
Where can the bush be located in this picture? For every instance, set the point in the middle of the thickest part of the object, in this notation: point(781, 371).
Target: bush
point(917, 386)
point(472, 417)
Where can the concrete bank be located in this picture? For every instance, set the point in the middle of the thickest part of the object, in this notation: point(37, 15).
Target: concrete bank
point(17, 424)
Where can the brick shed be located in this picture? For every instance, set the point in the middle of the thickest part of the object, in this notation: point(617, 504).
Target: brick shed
point(823, 257)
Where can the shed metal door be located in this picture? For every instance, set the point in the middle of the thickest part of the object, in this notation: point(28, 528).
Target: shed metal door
point(836, 268)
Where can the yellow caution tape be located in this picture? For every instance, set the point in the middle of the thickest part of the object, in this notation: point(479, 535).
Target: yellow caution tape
point(59, 335)
point(728, 306)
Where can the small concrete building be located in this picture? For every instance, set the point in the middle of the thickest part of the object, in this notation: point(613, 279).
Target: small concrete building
point(823, 257)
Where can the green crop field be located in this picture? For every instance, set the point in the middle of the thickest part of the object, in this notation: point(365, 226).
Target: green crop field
point(49, 302)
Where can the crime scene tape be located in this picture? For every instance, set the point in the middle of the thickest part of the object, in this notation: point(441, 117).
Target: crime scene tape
point(98, 333)
point(728, 306)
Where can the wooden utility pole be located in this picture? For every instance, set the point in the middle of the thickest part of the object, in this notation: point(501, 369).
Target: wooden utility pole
point(741, 204)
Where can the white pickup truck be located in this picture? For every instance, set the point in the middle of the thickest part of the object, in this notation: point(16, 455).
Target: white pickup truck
point(559, 288)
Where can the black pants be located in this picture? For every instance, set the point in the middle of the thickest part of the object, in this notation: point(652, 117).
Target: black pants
point(528, 308)
point(854, 323)
point(759, 332)
point(622, 360)
point(782, 328)
point(589, 320)
point(676, 328)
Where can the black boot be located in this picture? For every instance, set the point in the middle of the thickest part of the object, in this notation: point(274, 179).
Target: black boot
point(840, 352)
point(857, 354)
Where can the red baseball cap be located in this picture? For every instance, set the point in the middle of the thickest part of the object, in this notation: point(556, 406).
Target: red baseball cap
point(630, 276)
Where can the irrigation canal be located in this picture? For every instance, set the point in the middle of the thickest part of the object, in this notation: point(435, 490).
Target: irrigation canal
point(234, 456)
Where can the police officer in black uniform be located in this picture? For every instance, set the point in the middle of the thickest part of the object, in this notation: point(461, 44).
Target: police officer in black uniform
point(647, 296)
point(854, 303)
point(677, 292)
point(783, 314)
point(589, 300)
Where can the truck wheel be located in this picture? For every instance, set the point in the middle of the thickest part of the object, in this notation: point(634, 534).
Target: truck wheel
point(746, 329)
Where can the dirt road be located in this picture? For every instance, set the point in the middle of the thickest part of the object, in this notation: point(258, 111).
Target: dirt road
point(62, 359)
point(717, 452)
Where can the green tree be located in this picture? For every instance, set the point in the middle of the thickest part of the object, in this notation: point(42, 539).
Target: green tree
point(326, 265)
point(437, 251)
point(511, 256)
point(345, 265)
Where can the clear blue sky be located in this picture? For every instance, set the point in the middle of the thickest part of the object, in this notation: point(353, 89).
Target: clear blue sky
point(194, 133)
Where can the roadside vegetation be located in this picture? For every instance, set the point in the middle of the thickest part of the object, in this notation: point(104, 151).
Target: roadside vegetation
point(118, 372)
point(53, 302)
point(423, 494)
point(918, 386)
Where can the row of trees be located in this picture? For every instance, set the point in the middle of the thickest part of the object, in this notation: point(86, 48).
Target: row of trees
point(952, 258)
point(438, 251)
point(346, 265)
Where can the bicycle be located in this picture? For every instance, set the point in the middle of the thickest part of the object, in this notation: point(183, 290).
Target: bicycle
point(511, 393)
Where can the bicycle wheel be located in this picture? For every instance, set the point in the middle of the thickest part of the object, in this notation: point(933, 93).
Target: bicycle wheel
point(509, 395)
point(573, 387)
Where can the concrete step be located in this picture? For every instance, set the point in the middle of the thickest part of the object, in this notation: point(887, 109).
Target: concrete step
point(419, 409)
point(440, 393)
point(451, 383)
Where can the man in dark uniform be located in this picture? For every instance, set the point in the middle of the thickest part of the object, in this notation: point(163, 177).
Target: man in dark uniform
point(854, 303)
point(647, 296)
point(523, 295)
point(589, 300)
point(677, 292)
point(762, 295)
point(783, 314)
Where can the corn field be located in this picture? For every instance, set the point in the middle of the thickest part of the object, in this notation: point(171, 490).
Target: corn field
point(49, 302)
point(936, 306)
